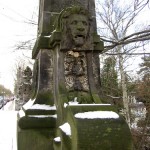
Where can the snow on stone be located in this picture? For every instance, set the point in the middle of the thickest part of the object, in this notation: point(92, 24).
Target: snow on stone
point(66, 128)
point(48, 36)
point(65, 105)
point(74, 104)
point(114, 97)
point(54, 116)
point(43, 116)
point(21, 113)
point(57, 139)
point(75, 99)
point(28, 104)
point(97, 115)
point(43, 107)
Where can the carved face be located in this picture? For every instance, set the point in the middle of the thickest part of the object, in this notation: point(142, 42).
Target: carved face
point(79, 27)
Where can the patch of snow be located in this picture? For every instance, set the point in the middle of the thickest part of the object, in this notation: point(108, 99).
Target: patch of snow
point(43, 116)
point(21, 113)
point(9, 106)
point(26, 83)
point(54, 116)
point(28, 104)
point(8, 126)
point(66, 128)
point(140, 103)
point(65, 105)
point(97, 115)
point(74, 104)
point(43, 107)
point(75, 99)
point(48, 36)
point(57, 139)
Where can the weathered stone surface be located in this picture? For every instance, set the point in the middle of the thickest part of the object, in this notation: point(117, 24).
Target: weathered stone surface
point(94, 133)
point(37, 121)
point(48, 13)
point(35, 139)
point(44, 90)
point(41, 43)
point(75, 68)
point(48, 8)
point(40, 112)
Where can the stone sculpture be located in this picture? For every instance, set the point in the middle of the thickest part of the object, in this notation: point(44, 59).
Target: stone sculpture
point(67, 79)
point(78, 46)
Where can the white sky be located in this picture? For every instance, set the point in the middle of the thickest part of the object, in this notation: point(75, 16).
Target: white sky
point(13, 28)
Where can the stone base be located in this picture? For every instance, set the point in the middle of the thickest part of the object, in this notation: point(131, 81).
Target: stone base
point(37, 118)
point(32, 122)
point(94, 133)
point(36, 128)
point(35, 139)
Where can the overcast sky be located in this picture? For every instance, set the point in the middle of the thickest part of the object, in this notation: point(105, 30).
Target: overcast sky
point(14, 15)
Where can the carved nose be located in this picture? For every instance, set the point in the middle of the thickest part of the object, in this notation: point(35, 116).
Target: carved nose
point(80, 26)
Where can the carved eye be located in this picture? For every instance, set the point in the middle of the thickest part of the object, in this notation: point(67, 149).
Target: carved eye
point(74, 22)
point(85, 23)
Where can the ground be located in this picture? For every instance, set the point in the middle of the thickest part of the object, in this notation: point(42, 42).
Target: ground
point(8, 127)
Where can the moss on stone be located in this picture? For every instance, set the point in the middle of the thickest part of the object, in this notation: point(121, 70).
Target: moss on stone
point(98, 134)
point(45, 97)
point(96, 98)
point(42, 42)
point(27, 122)
point(35, 139)
point(55, 38)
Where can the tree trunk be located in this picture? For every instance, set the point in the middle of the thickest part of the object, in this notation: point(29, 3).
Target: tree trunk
point(124, 87)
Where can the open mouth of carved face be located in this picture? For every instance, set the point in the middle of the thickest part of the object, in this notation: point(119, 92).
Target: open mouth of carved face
point(80, 36)
point(79, 39)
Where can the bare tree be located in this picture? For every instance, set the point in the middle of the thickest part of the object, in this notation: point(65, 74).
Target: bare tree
point(116, 24)
point(117, 19)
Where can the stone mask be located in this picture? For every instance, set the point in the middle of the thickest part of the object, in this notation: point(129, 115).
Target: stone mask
point(79, 28)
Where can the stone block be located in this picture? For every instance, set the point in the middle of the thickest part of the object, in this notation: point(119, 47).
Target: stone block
point(37, 121)
point(35, 139)
point(98, 133)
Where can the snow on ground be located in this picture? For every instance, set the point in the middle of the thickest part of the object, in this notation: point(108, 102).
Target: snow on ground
point(8, 126)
